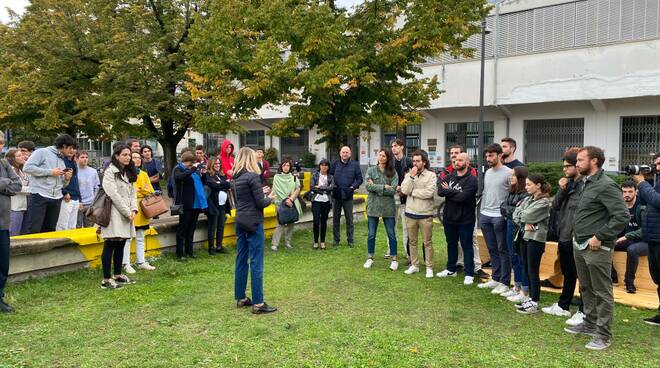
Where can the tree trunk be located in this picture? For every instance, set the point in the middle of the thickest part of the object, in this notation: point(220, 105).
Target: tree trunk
point(169, 153)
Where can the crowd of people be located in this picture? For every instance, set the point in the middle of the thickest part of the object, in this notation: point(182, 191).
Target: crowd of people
point(49, 189)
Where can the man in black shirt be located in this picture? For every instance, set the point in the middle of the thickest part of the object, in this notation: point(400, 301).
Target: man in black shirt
point(509, 153)
point(401, 164)
point(630, 239)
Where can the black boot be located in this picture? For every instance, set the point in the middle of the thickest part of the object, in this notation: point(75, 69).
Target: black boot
point(5, 308)
point(220, 249)
point(211, 250)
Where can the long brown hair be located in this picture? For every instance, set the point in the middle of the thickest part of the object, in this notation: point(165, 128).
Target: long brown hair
point(210, 165)
point(11, 158)
point(521, 174)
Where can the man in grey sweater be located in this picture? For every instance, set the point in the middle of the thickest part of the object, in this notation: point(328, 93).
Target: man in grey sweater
point(493, 225)
point(49, 177)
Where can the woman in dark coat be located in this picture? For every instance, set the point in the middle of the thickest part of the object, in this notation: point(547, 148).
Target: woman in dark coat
point(217, 197)
point(188, 192)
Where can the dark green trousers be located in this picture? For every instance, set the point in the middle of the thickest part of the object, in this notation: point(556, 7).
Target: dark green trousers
point(594, 269)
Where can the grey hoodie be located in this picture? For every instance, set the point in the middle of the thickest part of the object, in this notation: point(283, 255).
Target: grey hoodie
point(40, 167)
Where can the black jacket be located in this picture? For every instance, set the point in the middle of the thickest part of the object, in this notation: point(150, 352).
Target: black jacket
point(461, 203)
point(512, 201)
point(346, 175)
point(565, 203)
point(250, 200)
point(402, 167)
point(184, 186)
point(651, 222)
point(214, 184)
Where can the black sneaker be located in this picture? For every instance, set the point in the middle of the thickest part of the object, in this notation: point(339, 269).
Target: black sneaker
point(548, 284)
point(631, 289)
point(655, 321)
point(110, 284)
point(123, 280)
point(220, 249)
point(244, 303)
point(5, 308)
point(482, 274)
point(265, 308)
point(351, 245)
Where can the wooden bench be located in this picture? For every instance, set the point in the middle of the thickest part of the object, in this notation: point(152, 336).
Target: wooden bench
point(646, 296)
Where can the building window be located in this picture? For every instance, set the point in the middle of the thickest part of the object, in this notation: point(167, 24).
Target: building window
point(295, 147)
point(640, 139)
point(253, 139)
point(547, 139)
point(411, 137)
point(212, 143)
point(467, 135)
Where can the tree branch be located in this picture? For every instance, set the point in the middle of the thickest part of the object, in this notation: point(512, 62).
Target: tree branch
point(154, 7)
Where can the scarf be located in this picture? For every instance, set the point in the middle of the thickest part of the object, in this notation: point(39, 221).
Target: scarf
point(200, 198)
point(283, 186)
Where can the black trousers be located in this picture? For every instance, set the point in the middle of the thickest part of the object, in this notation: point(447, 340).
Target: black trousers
point(532, 251)
point(4, 261)
point(113, 254)
point(567, 263)
point(42, 214)
point(654, 264)
point(337, 207)
point(185, 232)
point(320, 212)
point(217, 228)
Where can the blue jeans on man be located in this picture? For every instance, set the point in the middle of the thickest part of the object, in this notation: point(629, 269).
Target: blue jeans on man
point(463, 233)
point(390, 228)
point(494, 231)
point(249, 247)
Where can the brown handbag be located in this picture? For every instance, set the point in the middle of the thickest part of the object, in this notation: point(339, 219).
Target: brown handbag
point(153, 205)
point(100, 210)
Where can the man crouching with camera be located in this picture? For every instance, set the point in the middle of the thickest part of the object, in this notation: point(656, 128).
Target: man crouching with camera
point(651, 224)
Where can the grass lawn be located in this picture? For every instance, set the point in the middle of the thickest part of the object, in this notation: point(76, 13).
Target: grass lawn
point(333, 313)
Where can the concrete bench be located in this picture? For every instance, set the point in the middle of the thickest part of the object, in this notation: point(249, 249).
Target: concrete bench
point(646, 296)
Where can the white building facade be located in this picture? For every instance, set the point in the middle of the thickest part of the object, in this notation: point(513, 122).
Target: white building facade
point(558, 73)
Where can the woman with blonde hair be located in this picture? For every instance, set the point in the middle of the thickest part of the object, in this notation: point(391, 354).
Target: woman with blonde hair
point(251, 199)
point(143, 189)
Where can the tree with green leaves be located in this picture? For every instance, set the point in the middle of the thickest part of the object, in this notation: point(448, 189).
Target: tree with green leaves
point(105, 68)
point(340, 72)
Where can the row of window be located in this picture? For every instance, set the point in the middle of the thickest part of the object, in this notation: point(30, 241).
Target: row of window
point(569, 25)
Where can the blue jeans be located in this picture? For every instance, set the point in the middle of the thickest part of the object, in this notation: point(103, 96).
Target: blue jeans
point(519, 275)
point(249, 246)
point(4, 261)
point(390, 227)
point(454, 233)
point(494, 230)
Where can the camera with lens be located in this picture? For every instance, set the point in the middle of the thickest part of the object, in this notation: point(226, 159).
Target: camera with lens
point(297, 166)
point(631, 170)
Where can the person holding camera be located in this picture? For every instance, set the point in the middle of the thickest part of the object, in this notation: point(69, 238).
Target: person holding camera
point(48, 177)
point(651, 226)
point(189, 188)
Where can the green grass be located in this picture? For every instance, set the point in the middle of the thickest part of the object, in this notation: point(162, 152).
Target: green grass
point(333, 313)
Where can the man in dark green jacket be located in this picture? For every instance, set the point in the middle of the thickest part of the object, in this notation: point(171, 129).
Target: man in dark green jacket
point(600, 216)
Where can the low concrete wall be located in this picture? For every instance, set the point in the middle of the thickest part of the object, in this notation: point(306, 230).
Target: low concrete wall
point(38, 255)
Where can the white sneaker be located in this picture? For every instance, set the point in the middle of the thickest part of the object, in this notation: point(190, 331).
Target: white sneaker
point(394, 265)
point(411, 270)
point(274, 248)
point(509, 293)
point(429, 273)
point(468, 280)
point(518, 298)
point(501, 288)
point(146, 266)
point(368, 263)
point(387, 255)
point(577, 319)
point(556, 310)
point(128, 268)
point(446, 273)
point(490, 284)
